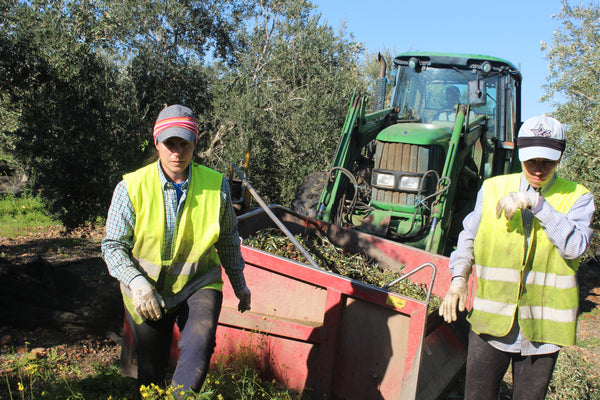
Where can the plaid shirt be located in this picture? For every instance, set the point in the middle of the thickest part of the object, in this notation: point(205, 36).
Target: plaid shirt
point(120, 223)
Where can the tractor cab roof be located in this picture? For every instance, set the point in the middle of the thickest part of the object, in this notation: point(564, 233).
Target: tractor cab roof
point(455, 60)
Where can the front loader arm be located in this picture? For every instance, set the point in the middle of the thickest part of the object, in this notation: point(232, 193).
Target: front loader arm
point(358, 131)
point(464, 135)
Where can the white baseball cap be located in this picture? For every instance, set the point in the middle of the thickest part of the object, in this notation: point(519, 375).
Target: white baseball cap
point(541, 137)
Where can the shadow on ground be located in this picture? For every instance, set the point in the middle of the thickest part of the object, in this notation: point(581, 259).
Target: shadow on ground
point(74, 297)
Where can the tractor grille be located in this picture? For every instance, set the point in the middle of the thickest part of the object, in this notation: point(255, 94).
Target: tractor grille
point(406, 158)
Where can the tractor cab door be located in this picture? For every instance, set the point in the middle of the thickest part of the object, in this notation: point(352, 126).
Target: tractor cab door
point(495, 153)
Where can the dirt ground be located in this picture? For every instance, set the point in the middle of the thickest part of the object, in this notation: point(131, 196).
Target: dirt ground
point(55, 294)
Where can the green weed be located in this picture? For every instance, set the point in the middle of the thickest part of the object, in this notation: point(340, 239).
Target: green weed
point(238, 378)
point(20, 214)
point(29, 376)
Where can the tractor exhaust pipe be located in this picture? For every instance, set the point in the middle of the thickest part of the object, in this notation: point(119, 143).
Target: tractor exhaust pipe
point(379, 102)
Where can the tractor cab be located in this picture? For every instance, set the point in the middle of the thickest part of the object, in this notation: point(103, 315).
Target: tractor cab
point(410, 172)
point(428, 90)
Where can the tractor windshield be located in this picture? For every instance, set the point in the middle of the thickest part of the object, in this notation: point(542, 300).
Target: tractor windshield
point(431, 95)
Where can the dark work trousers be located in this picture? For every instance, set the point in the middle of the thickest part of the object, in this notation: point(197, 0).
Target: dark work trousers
point(197, 321)
point(486, 366)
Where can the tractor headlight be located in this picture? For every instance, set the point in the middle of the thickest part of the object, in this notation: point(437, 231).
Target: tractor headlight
point(385, 180)
point(396, 181)
point(486, 67)
point(409, 182)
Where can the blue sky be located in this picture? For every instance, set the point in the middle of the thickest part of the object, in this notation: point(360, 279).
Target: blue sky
point(508, 29)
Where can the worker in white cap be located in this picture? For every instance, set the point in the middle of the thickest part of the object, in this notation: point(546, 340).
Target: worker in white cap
point(525, 238)
point(170, 227)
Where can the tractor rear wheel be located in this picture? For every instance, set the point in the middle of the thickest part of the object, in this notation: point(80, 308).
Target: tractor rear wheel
point(308, 194)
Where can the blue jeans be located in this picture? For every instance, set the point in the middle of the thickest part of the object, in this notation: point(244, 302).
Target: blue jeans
point(197, 320)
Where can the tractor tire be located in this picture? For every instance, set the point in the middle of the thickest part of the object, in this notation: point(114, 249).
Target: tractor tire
point(308, 194)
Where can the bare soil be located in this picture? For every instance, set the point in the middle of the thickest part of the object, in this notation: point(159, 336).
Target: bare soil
point(56, 295)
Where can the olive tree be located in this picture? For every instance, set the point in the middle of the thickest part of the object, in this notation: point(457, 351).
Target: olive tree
point(574, 88)
point(84, 80)
point(287, 94)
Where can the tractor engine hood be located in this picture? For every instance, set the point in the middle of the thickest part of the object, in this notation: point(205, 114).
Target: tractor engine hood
point(416, 133)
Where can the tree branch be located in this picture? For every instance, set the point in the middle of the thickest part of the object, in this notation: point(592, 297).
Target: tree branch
point(216, 142)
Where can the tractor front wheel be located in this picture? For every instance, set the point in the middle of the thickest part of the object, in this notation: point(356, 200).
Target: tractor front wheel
point(308, 194)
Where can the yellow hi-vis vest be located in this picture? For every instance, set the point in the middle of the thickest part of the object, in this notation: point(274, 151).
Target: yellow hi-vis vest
point(194, 258)
point(540, 286)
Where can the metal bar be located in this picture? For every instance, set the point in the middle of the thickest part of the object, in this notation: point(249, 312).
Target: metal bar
point(420, 267)
point(277, 221)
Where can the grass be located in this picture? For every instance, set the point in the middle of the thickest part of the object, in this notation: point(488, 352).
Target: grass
point(575, 376)
point(571, 379)
point(28, 376)
point(18, 215)
point(589, 341)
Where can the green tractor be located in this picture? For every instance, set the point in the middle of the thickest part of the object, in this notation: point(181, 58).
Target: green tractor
point(410, 172)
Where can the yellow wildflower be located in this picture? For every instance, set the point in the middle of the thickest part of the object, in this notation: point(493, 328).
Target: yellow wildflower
point(31, 368)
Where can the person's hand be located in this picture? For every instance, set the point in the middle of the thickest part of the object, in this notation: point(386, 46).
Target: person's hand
point(146, 300)
point(515, 201)
point(456, 296)
point(244, 296)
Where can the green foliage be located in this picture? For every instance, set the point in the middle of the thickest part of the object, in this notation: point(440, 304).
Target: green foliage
point(574, 87)
point(84, 82)
point(288, 94)
point(237, 376)
point(183, 30)
point(63, 96)
point(67, 136)
point(58, 376)
point(329, 257)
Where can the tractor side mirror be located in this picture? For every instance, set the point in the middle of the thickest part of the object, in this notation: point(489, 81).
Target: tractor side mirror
point(477, 93)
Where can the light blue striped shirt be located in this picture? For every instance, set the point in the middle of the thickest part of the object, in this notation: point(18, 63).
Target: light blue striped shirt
point(120, 223)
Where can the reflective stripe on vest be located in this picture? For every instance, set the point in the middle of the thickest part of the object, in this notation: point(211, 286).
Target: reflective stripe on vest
point(541, 285)
point(196, 231)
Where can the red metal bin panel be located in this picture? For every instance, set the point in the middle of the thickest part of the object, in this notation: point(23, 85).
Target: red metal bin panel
point(362, 344)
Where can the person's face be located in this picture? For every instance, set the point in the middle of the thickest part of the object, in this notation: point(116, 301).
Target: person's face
point(538, 171)
point(175, 156)
point(451, 98)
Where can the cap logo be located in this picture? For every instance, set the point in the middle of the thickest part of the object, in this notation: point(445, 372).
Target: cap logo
point(540, 131)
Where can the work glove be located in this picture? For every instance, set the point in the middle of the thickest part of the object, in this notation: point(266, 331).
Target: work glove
point(516, 201)
point(456, 296)
point(244, 296)
point(147, 302)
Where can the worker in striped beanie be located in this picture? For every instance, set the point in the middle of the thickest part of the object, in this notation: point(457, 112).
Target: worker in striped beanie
point(169, 278)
